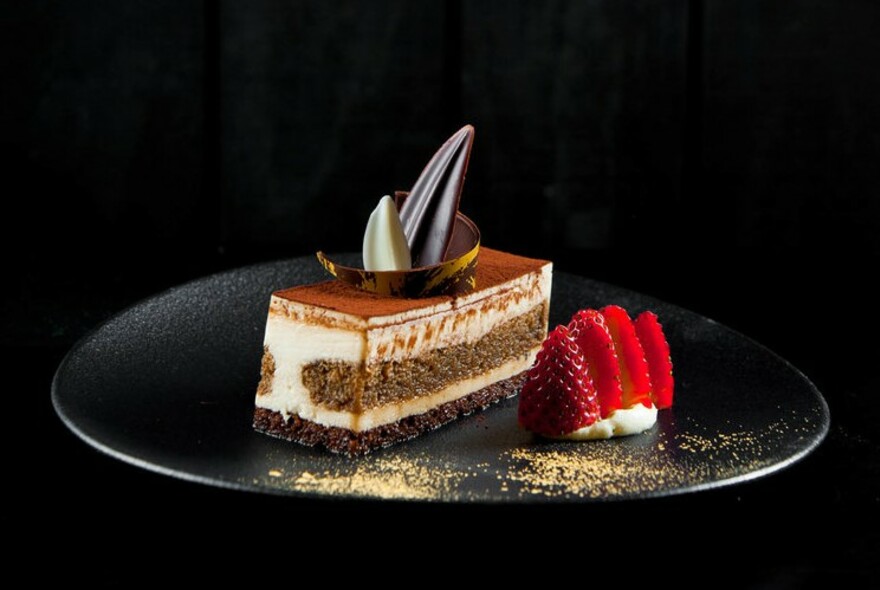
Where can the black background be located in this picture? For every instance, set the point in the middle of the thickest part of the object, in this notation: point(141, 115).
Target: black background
point(719, 155)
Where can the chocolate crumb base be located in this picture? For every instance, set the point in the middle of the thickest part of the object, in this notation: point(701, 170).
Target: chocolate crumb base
point(346, 442)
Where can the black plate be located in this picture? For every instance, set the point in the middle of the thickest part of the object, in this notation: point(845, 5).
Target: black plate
point(169, 384)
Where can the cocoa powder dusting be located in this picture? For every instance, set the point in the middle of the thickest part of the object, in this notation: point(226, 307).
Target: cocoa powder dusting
point(493, 268)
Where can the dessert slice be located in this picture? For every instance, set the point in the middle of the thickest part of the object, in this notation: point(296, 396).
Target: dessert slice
point(433, 327)
point(353, 370)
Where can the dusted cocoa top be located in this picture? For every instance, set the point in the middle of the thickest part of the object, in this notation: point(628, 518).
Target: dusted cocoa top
point(495, 267)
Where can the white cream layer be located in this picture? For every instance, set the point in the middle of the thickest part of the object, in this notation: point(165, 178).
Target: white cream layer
point(622, 422)
point(295, 339)
point(296, 400)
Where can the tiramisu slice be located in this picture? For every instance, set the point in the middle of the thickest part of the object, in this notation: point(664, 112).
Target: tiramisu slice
point(431, 328)
point(353, 370)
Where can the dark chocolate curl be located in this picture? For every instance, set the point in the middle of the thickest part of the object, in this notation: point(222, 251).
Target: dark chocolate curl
point(428, 213)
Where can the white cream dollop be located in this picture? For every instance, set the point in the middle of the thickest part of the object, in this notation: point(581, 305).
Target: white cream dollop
point(622, 422)
point(385, 246)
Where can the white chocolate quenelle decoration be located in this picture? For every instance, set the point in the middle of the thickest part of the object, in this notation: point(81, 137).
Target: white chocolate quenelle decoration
point(385, 246)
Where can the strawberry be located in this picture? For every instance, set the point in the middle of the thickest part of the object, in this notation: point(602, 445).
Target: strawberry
point(656, 348)
point(590, 331)
point(634, 376)
point(558, 396)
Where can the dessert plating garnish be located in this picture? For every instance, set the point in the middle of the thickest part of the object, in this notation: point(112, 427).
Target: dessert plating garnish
point(590, 331)
point(428, 214)
point(558, 396)
point(431, 248)
point(634, 375)
point(624, 367)
point(659, 359)
point(385, 246)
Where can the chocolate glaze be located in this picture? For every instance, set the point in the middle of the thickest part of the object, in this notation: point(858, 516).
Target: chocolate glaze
point(428, 213)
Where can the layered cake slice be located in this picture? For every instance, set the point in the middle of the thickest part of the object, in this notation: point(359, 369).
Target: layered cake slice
point(431, 328)
point(353, 370)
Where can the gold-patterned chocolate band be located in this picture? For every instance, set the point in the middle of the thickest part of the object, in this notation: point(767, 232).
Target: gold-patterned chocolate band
point(455, 276)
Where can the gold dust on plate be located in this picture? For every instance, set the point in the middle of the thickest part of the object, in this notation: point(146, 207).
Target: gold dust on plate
point(539, 470)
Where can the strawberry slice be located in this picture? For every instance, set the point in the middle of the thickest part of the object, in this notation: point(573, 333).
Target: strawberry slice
point(656, 348)
point(590, 331)
point(558, 396)
point(634, 376)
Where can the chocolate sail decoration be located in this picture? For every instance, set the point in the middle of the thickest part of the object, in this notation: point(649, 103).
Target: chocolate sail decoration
point(443, 242)
point(454, 276)
point(428, 215)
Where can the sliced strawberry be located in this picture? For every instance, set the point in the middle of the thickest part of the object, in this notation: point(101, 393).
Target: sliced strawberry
point(634, 375)
point(656, 348)
point(558, 396)
point(590, 331)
